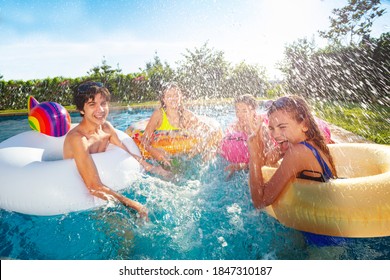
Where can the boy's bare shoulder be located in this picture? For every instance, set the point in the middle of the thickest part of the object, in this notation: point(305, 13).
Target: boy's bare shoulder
point(74, 133)
point(108, 128)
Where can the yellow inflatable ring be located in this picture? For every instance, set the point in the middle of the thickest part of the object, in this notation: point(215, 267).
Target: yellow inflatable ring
point(355, 205)
point(173, 143)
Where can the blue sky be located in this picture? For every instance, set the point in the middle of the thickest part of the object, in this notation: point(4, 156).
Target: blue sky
point(42, 39)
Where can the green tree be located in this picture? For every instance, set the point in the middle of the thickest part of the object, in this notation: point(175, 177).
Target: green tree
point(108, 76)
point(203, 72)
point(103, 72)
point(353, 22)
point(246, 79)
point(382, 49)
point(158, 73)
point(296, 65)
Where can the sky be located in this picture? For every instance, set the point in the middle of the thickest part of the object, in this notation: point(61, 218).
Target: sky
point(41, 39)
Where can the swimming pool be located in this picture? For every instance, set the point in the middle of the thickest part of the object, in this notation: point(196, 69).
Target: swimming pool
point(199, 216)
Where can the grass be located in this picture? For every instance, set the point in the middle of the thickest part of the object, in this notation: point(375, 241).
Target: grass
point(371, 122)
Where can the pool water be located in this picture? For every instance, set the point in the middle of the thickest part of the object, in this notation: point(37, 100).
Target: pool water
point(199, 216)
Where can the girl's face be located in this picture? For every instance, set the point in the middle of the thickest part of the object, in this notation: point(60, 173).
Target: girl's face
point(96, 111)
point(284, 128)
point(244, 112)
point(172, 98)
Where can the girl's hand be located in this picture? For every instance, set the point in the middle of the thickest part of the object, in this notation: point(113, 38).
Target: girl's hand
point(255, 141)
point(145, 141)
point(161, 156)
point(143, 213)
point(158, 170)
point(233, 168)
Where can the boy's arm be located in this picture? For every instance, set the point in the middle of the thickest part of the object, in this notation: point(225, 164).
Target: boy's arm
point(89, 173)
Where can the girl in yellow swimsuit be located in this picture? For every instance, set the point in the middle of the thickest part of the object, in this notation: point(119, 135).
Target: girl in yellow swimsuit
point(173, 117)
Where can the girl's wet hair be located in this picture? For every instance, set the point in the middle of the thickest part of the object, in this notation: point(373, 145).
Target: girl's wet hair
point(298, 109)
point(247, 99)
point(164, 89)
point(87, 91)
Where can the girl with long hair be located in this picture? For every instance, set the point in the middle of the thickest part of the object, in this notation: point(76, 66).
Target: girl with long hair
point(306, 155)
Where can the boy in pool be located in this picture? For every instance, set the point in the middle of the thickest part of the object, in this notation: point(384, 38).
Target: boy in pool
point(307, 156)
point(93, 135)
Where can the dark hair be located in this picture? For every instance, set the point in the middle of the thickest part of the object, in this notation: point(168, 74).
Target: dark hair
point(165, 87)
point(297, 107)
point(87, 91)
point(247, 99)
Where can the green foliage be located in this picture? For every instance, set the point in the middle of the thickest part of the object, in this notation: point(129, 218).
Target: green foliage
point(157, 74)
point(14, 94)
point(104, 72)
point(355, 73)
point(353, 22)
point(370, 122)
point(246, 79)
point(203, 72)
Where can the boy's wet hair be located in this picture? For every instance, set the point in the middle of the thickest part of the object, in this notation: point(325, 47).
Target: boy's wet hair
point(87, 91)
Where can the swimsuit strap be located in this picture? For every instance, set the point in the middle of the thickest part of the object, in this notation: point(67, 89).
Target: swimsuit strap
point(165, 124)
point(236, 136)
point(325, 168)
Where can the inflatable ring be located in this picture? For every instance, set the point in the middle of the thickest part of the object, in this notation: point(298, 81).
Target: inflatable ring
point(356, 205)
point(36, 180)
point(173, 142)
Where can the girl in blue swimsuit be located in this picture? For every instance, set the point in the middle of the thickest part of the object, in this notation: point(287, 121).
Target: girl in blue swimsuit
point(307, 156)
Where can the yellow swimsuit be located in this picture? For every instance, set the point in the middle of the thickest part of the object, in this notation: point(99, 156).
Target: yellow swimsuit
point(165, 125)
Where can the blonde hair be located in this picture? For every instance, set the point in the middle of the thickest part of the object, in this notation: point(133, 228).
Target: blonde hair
point(297, 107)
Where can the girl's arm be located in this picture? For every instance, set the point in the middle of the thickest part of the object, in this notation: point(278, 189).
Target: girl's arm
point(146, 139)
point(265, 193)
point(208, 136)
point(154, 122)
point(233, 167)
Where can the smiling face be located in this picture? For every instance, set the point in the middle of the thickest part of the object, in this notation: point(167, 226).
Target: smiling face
point(245, 112)
point(172, 98)
point(284, 128)
point(96, 110)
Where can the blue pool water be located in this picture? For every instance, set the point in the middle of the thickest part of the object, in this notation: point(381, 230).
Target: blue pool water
point(198, 216)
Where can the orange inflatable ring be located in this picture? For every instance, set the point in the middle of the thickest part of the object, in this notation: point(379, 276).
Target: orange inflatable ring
point(356, 205)
point(173, 143)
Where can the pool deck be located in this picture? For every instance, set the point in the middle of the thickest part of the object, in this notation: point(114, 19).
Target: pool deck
point(340, 135)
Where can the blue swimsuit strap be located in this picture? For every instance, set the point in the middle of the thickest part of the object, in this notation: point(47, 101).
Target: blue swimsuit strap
point(325, 168)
